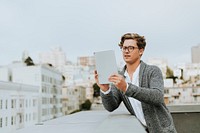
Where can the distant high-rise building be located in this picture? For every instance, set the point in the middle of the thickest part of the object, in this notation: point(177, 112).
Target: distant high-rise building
point(55, 57)
point(86, 61)
point(195, 51)
point(160, 62)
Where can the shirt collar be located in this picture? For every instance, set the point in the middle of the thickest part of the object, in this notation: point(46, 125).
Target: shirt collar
point(136, 73)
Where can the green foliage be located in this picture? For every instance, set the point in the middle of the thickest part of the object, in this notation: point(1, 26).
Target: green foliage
point(29, 62)
point(96, 90)
point(169, 73)
point(86, 105)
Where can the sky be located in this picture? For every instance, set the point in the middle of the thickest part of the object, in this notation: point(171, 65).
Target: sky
point(82, 27)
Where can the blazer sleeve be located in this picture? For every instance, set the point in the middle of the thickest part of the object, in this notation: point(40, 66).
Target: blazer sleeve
point(112, 100)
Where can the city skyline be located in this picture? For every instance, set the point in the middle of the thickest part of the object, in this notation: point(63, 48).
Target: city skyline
point(83, 27)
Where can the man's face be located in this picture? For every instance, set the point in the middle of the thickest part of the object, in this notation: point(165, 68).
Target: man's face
point(131, 52)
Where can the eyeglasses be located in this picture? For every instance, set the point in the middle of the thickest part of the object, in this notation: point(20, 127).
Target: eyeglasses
point(129, 48)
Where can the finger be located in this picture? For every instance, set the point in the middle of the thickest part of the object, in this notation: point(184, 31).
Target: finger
point(112, 79)
point(95, 71)
point(114, 75)
point(96, 77)
point(116, 83)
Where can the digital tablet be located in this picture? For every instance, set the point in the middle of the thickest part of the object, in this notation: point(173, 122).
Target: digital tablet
point(105, 65)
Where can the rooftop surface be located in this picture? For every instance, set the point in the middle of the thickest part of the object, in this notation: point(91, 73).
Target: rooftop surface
point(95, 121)
point(98, 120)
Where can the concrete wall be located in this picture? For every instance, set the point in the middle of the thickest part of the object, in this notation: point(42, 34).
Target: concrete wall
point(187, 122)
point(186, 118)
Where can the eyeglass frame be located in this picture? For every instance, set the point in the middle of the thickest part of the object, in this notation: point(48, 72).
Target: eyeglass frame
point(129, 48)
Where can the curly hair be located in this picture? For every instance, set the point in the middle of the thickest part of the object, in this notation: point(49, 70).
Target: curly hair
point(141, 43)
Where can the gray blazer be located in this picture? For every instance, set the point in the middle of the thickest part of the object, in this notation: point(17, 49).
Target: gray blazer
point(151, 94)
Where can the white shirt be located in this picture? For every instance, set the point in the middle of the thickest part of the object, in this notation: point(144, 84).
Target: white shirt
point(134, 102)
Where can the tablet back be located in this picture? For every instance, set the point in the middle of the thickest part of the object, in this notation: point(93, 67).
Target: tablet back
point(105, 65)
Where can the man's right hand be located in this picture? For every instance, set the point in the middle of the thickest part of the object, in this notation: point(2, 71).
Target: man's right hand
point(103, 87)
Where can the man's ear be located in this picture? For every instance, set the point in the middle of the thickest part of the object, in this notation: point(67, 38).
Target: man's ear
point(141, 51)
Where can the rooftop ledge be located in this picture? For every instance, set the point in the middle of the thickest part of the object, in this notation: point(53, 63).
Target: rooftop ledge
point(184, 108)
point(96, 121)
point(186, 118)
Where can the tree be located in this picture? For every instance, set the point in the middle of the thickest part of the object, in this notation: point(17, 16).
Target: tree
point(170, 74)
point(96, 90)
point(86, 105)
point(29, 61)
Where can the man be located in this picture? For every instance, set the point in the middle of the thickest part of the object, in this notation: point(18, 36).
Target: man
point(139, 86)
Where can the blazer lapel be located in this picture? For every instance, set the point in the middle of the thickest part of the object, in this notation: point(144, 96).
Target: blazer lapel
point(141, 72)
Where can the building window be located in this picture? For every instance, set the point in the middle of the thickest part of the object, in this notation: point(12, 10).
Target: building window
point(42, 78)
point(6, 104)
point(1, 104)
point(1, 122)
point(29, 117)
point(26, 103)
point(6, 121)
point(29, 102)
point(10, 78)
point(166, 91)
point(12, 120)
point(21, 103)
point(12, 103)
point(15, 120)
point(195, 98)
point(26, 117)
point(34, 102)
point(20, 118)
point(51, 80)
point(43, 112)
point(34, 116)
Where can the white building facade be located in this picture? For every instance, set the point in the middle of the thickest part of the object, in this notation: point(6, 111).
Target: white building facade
point(182, 95)
point(190, 71)
point(161, 63)
point(49, 81)
point(76, 75)
point(18, 106)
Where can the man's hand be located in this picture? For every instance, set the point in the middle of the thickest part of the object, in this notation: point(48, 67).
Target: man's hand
point(103, 87)
point(119, 81)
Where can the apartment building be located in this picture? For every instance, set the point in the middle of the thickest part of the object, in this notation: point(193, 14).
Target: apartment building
point(18, 106)
point(48, 79)
point(182, 95)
